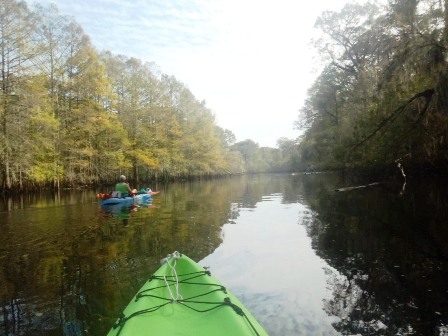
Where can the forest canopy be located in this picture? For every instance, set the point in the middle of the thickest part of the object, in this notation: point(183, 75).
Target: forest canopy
point(70, 115)
point(381, 99)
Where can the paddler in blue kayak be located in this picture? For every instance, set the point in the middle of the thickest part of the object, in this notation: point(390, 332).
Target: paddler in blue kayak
point(123, 187)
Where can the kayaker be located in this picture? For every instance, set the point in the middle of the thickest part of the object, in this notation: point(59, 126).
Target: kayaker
point(123, 187)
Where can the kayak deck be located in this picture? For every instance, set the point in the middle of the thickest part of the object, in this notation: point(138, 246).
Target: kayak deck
point(183, 298)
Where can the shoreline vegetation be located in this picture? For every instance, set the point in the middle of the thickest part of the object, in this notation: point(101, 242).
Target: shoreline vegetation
point(380, 101)
point(71, 115)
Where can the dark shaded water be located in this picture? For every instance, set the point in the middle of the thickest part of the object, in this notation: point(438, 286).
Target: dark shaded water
point(305, 259)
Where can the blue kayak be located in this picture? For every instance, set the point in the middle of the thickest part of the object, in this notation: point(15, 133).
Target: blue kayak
point(127, 200)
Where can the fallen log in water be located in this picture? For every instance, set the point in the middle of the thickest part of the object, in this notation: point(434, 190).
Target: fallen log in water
point(358, 187)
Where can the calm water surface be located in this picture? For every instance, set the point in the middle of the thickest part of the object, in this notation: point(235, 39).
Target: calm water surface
point(305, 259)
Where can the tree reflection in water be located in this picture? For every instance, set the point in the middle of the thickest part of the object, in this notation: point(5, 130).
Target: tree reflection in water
point(390, 252)
point(63, 259)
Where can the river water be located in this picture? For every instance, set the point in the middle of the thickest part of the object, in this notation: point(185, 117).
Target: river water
point(304, 258)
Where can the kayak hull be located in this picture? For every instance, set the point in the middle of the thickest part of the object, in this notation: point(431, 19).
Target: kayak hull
point(182, 298)
point(126, 200)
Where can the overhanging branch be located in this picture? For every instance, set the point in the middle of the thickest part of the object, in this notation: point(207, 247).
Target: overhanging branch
point(427, 94)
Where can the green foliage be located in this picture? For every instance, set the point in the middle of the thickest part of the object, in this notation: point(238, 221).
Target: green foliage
point(382, 95)
point(256, 159)
point(71, 116)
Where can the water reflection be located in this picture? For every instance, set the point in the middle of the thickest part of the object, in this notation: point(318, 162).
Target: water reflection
point(268, 261)
point(305, 259)
point(391, 251)
point(123, 211)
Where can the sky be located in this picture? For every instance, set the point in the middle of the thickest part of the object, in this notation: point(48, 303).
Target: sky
point(251, 61)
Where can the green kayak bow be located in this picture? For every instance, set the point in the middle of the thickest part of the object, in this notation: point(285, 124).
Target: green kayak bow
point(183, 298)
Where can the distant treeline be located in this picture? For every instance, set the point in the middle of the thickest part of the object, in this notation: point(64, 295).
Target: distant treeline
point(382, 97)
point(70, 115)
